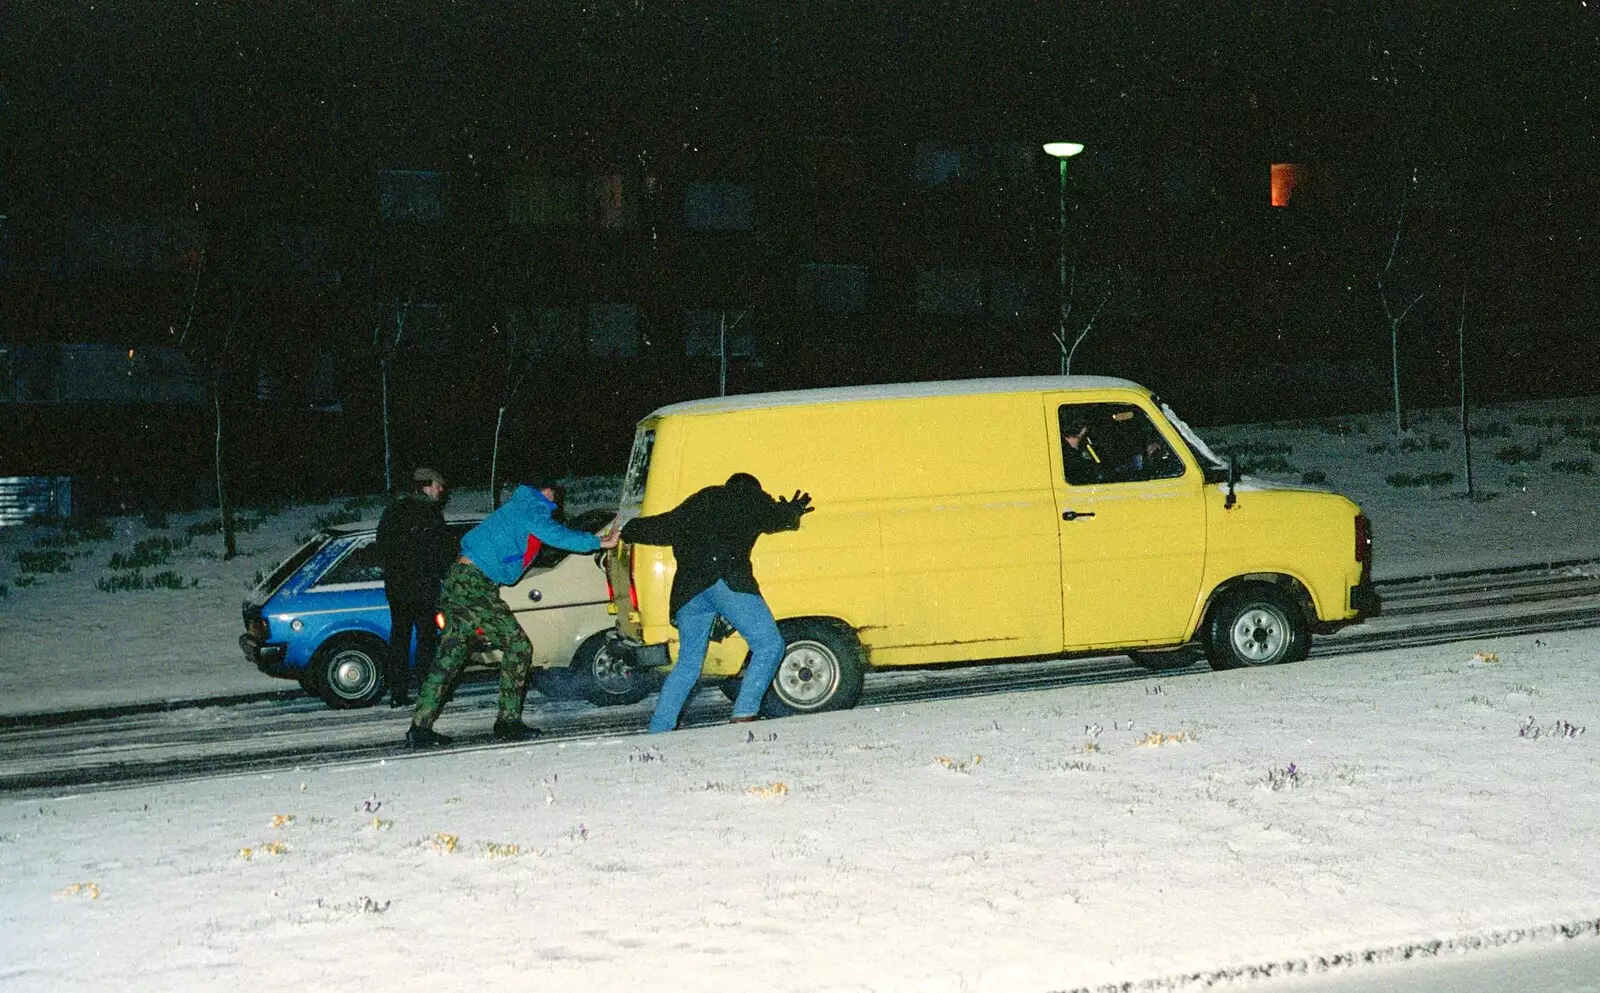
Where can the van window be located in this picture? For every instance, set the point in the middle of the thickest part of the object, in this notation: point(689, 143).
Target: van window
point(638, 468)
point(1113, 443)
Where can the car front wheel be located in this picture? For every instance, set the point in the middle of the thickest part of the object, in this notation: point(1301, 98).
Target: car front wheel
point(347, 671)
point(604, 677)
point(1256, 625)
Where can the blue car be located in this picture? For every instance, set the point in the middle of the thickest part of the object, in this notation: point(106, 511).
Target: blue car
point(321, 618)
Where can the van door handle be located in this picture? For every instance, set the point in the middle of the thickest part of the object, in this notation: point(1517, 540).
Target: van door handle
point(1072, 515)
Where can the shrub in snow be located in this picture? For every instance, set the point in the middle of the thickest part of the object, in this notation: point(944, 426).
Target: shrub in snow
point(1561, 729)
point(48, 561)
point(1402, 480)
point(1281, 779)
point(1519, 454)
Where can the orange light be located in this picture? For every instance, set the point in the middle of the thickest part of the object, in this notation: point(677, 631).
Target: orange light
point(1285, 177)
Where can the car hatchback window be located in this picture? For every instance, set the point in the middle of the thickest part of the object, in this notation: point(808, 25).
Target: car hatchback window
point(359, 565)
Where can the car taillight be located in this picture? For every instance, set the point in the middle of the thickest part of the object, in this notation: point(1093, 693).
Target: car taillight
point(1364, 546)
point(438, 619)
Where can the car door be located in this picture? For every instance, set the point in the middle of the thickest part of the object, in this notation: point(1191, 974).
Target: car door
point(1131, 515)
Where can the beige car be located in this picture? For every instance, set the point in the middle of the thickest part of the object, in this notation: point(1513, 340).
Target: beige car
point(321, 618)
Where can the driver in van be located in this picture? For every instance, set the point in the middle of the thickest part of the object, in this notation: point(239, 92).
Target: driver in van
point(1080, 462)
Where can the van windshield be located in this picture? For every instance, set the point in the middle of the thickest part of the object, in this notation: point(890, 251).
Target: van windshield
point(1209, 461)
point(638, 469)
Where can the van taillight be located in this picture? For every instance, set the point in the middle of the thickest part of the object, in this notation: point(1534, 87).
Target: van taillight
point(633, 582)
point(1364, 546)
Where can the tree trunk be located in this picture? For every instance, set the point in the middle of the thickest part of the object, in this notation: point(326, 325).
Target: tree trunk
point(494, 462)
point(388, 454)
point(229, 541)
point(1394, 361)
point(1461, 362)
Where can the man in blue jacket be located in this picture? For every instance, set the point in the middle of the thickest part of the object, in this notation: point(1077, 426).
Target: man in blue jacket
point(494, 554)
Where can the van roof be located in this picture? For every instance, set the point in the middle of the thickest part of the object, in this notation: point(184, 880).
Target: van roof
point(897, 391)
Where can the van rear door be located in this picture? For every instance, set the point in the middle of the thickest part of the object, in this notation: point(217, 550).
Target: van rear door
point(1132, 520)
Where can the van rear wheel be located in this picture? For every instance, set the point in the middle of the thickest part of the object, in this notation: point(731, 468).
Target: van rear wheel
point(1256, 625)
point(821, 669)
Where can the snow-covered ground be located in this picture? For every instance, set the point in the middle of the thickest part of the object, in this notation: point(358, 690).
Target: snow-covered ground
point(1201, 825)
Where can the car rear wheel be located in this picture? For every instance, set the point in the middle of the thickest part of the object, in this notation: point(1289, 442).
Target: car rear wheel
point(1256, 625)
point(822, 669)
point(603, 676)
point(347, 671)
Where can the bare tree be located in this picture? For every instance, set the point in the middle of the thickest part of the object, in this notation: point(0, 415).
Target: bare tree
point(519, 363)
point(723, 328)
point(1068, 299)
point(214, 360)
point(1393, 317)
point(386, 345)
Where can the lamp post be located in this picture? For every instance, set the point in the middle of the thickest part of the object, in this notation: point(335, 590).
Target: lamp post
point(1063, 150)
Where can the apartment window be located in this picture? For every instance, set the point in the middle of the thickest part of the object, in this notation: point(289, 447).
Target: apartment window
point(613, 330)
point(704, 330)
point(718, 207)
point(1285, 177)
point(950, 291)
point(410, 195)
point(832, 288)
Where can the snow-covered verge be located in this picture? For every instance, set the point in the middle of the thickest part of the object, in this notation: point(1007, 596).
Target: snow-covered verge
point(1128, 832)
point(1159, 833)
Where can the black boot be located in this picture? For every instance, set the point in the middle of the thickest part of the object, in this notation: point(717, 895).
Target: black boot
point(515, 731)
point(421, 737)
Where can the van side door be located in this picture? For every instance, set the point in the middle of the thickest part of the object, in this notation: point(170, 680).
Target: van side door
point(1132, 519)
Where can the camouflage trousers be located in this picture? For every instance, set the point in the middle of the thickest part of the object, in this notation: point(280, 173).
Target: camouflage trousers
point(474, 613)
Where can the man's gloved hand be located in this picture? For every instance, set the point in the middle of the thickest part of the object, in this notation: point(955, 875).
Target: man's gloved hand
point(797, 507)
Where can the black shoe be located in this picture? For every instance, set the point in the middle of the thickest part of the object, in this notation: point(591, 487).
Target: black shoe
point(399, 700)
point(515, 731)
point(420, 737)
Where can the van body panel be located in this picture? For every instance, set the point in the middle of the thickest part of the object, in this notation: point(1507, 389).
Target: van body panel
point(1306, 535)
point(1132, 553)
point(945, 529)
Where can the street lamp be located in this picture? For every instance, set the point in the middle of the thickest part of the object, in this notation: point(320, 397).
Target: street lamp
point(1063, 150)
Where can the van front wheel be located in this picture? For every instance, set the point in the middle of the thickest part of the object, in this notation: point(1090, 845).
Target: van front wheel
point(1254, 626)
point(821, 669)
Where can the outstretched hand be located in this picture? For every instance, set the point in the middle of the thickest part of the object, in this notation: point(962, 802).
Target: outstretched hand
point(611, 536)
point(798, 506)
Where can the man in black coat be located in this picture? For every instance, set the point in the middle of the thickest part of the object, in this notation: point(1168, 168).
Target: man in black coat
point(711, 535)
point(415, 547)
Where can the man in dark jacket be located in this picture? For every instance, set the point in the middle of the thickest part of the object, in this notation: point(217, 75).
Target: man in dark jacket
point(494, 554)
point(415, 547)
point(711, 535)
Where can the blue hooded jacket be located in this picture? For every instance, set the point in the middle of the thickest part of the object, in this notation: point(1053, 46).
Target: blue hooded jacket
point(497, 544)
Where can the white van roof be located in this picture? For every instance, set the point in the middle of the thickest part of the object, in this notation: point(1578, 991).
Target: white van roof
point(897, 391)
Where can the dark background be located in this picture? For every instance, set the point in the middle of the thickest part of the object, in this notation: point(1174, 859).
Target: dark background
point(223, 176)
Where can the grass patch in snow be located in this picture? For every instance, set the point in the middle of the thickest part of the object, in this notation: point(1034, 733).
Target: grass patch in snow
point(137, 580)
point(50, 560)
point(1519, 454)
point(1573, 467)
point(1404, 480)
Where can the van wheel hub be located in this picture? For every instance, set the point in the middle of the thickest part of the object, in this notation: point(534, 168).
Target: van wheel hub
point(1259, 635)
point(808, 674)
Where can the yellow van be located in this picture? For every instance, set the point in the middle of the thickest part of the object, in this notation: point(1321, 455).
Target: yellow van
point(991, 519)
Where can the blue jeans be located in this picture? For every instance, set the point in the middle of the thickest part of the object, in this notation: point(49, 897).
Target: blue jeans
point(749, 615)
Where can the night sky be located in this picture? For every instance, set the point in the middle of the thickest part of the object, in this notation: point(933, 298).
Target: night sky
point(233, 118)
